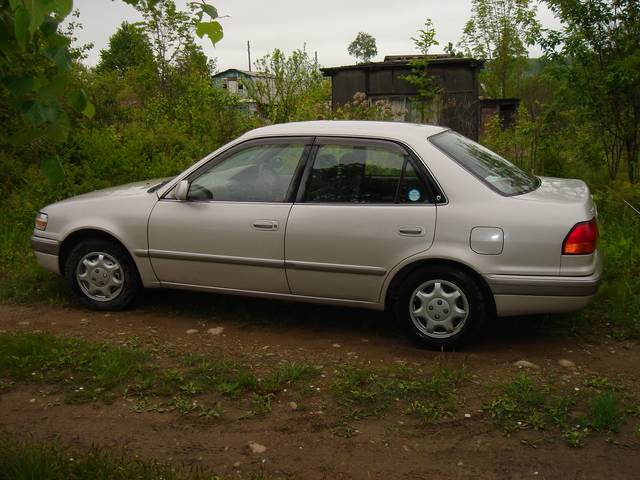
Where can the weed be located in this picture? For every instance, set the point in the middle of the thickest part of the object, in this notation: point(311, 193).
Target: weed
point(602, 383)
point(606, 412)
point(288, 374)
point(368, 393)
point(520, 406)
point(224, 376)
point(576, 438)
point(427, 412)
point(524, 404)
point(260, 405)
point(190, 388)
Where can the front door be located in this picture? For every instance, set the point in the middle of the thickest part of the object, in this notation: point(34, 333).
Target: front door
point(229, 233)
point(365, 205)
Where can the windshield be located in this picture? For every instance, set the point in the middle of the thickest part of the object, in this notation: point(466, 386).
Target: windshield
point(498, 173)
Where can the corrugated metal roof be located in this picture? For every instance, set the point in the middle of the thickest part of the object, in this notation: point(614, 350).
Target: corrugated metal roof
point(395, 61)
point(243, 72)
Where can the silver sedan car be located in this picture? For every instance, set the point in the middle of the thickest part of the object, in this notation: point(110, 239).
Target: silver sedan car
point(415, 219)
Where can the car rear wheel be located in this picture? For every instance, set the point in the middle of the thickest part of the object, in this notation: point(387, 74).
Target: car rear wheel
point(102, 275)
point(441, 307)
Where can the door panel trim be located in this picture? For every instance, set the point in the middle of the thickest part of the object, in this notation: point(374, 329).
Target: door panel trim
point(276, 296)
point(203, 257)
point(335, 267)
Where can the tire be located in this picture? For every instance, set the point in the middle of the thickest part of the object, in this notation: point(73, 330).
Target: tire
point(441, 307)
point(102, 275)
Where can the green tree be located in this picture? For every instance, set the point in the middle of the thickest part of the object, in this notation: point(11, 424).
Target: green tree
point(426, 88)
point(599, 45)
point(36, 63)
point(499, 32)
point(363, 48)
point(286, 85)
point(171, 34)
point(450, 50)
point(128, 47)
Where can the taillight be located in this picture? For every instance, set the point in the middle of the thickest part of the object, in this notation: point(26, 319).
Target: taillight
point(582, 239)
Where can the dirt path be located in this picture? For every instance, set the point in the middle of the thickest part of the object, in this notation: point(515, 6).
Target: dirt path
point(303, 443)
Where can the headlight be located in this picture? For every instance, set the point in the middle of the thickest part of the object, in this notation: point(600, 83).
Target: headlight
point(41, 221)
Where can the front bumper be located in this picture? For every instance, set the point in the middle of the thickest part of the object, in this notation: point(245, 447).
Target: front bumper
point(535, 294)
point(46, 251)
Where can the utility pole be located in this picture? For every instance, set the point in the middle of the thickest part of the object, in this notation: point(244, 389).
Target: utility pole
point(249, 53)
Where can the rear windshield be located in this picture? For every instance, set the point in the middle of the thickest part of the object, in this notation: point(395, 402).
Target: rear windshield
point(498, 173)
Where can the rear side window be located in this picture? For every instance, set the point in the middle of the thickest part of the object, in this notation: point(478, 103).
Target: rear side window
point(498, 173)
point(364, 174)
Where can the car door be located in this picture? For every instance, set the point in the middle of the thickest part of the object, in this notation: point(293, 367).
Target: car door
point(229, 233)
point(363, 206)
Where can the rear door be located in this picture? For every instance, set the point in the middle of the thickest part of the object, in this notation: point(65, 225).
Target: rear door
point(229, 233)
point(363, 206)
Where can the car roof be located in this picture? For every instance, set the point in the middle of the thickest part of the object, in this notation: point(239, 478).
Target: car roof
point(358, 128)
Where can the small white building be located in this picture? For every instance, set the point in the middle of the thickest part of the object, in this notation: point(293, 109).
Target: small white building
point(235, 80)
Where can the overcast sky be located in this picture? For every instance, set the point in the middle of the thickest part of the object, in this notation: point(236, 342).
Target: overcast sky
point(326, 26)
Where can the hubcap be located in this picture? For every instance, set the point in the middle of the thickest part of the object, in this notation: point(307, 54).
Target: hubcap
point(100, 276)
point(438, 308)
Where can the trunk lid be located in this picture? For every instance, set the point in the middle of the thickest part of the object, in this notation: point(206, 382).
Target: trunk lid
point(560, 190)
point(565, 193)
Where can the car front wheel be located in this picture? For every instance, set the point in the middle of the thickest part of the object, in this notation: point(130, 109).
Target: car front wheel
point(441, 308)
point(102, 275)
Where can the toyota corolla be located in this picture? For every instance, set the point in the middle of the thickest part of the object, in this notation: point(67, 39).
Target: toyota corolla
point(414, 219)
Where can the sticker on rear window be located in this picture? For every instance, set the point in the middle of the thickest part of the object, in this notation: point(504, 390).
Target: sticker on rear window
point(414, 195)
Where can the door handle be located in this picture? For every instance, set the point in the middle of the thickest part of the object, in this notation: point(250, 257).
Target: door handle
point(265, 224)
point(411, 230)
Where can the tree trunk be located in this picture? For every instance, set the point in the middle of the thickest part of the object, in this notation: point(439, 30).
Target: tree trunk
point(632, 158)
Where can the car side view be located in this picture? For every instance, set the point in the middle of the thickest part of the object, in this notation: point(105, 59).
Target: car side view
point(415, 219)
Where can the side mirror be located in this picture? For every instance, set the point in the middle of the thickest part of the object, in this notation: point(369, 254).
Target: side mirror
point(182, 190)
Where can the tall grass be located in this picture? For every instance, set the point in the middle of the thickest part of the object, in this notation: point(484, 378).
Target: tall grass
point(618, 301)
point(29, 460)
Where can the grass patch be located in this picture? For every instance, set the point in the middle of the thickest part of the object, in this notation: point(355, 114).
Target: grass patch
point(87, 371)
point(606, 412)
point(525, 404)
point(367, 393)
point(289, 374)
point(204, 375)
point(28, 460)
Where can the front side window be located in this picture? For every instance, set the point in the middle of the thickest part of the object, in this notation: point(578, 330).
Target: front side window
point(500, 174)
point(260, 173)
point(364, 174)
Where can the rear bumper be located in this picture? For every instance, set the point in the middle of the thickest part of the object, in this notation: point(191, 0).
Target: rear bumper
point(533, 294)
point(46, 251)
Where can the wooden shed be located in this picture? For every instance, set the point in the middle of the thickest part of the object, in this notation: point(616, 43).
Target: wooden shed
point(457, 106)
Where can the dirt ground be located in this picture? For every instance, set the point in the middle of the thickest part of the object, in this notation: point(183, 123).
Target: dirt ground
point(303, 443)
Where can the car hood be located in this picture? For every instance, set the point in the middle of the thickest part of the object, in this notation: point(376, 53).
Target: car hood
point(128, 190)
point(559, 190)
